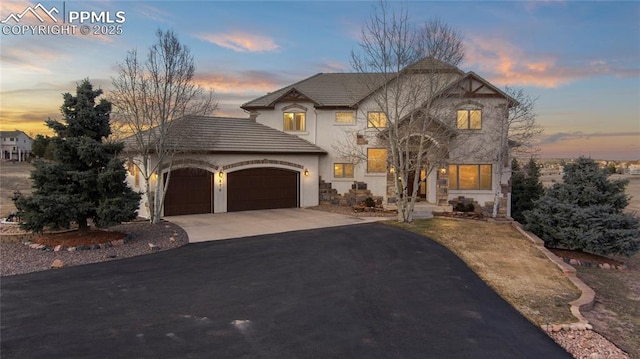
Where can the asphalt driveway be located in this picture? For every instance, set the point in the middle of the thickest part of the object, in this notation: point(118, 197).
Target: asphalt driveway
point(360, 291)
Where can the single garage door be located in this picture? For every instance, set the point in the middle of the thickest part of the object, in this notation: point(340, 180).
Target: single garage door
point(189, 192)
point(262, 188)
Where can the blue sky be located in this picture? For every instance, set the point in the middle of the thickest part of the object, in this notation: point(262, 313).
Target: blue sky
point(580, 59)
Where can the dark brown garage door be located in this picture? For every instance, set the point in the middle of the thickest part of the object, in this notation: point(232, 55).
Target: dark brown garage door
point(262, 188)
point(189, 192)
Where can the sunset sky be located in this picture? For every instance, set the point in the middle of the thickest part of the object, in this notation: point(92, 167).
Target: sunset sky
point(580, 59)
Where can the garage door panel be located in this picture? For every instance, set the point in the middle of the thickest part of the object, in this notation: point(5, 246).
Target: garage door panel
point(189, 192)
point(262, 188)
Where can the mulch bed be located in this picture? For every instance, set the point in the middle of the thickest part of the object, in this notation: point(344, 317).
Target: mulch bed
point(75, 238)
point(585, 259)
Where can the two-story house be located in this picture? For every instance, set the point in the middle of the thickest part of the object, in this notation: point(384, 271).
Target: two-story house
point(335, 111)
point(295, 139)
point(16, 145)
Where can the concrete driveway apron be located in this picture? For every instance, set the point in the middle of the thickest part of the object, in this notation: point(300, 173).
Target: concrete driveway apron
point(208, 227)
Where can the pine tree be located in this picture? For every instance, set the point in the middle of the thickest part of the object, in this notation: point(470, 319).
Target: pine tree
point(85, 180)
point(585, 212)
point(517, 191)
point(526, 188)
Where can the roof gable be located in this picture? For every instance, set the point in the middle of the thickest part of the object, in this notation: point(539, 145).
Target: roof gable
point(471, 85)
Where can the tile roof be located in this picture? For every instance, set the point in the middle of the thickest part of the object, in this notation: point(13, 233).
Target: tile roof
point(205, 134)
point(326, 90)
point(345, 89)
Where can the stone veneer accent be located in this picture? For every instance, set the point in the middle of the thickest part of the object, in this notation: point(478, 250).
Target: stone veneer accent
point(442, 188)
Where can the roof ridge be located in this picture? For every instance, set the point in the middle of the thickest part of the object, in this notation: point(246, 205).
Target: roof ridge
point(281, 89)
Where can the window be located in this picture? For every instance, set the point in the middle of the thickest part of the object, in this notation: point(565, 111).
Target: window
point(376, 119)
point(473, 177)
point(345, 117)
point(294, 121)
point(343, 170)
point(376, 160)
point(469, 119)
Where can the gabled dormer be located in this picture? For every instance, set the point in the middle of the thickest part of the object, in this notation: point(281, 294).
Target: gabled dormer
point(472, 85)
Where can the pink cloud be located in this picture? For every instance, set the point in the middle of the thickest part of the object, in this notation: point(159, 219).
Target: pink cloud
point(505, 64)
point(246, 82)
point(240, 41)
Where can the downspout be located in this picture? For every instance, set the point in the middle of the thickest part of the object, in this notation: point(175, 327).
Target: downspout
point(315, 131)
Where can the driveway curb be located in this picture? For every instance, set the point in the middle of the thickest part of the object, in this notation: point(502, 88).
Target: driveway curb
point(587, 298)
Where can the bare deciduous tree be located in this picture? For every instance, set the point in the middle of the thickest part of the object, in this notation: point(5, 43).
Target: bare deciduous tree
point(405, 69)
point(149, 95)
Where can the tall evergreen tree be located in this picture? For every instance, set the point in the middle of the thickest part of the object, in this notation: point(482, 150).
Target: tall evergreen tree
point(526, 188)
point(585, 212)
point(85, 180)
point(517, 191)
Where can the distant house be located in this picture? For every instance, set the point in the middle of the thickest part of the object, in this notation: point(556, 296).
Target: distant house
point(634, 169)
point(16, 145)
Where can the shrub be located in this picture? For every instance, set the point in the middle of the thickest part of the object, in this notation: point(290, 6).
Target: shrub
point(585, 213)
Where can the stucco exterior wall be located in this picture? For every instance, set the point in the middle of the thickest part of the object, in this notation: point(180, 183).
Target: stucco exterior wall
point(470, 147)
point(228, 163)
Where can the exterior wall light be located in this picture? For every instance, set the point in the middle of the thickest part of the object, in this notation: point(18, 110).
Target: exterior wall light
point(220, 175)
point(443, 170)
point(306, 172)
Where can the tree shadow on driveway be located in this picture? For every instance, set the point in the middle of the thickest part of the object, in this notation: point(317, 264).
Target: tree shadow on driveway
point(363, 291)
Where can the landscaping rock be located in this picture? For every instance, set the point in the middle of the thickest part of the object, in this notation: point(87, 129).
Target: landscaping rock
point(119, 242)
point(57, 264)
point(71, 249)
point(574, 262)
point(58, 248)
point(154, 247)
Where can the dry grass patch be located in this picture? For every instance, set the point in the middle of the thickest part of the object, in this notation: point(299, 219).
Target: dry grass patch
point(507, 262)
point(616, 313)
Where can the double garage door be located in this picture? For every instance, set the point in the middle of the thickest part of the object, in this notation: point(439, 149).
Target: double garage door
point(191, 190)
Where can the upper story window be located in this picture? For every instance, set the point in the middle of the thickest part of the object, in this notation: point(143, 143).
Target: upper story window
point(294, 121)
point(376, 119)
point(469, 119)
point(345, 117)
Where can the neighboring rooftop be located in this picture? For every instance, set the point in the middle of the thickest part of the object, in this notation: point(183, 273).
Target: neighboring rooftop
point(11, 134)
point(205, 134)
